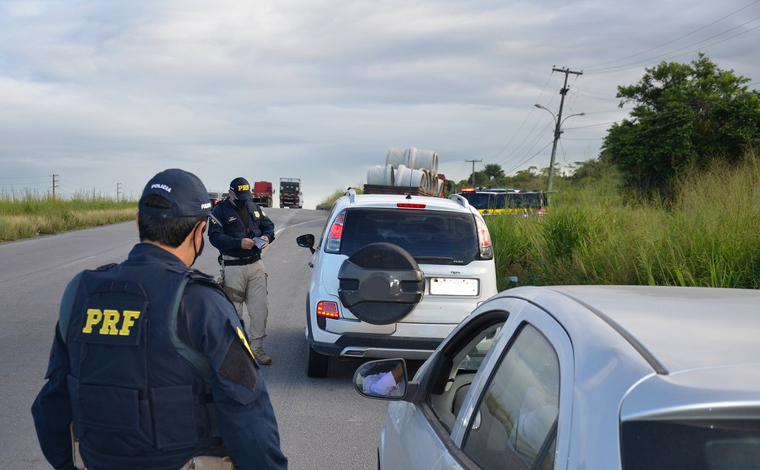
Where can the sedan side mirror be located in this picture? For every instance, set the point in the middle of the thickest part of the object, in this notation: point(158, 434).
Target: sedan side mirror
point(386, 379)
point(306, 241)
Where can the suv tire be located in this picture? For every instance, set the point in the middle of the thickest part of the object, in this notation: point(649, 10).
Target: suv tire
point(318, 364)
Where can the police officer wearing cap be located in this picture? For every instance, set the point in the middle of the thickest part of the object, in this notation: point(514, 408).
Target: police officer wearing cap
point(239, 229)
point(150, 368)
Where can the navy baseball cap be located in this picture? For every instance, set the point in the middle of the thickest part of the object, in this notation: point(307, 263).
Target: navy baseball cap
point(182, 189)
point(241, 188)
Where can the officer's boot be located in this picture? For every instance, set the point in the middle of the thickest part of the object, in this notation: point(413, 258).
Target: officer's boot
point(258, 352)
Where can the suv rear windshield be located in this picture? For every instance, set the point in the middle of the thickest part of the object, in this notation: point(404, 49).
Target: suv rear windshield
point(691, 445)
point(431, 237)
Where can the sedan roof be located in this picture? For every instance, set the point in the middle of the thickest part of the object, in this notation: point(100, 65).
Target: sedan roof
point(682, 328)
point(673, 328)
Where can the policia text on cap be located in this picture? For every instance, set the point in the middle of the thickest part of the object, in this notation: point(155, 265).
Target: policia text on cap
point(150, 367)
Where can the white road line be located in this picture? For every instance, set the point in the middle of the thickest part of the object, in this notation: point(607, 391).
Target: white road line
point(277, 232)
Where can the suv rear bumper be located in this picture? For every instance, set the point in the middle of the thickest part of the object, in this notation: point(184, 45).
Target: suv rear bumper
point(379, 347)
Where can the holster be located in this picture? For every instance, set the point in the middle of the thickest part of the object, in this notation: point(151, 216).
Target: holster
point(235, 294)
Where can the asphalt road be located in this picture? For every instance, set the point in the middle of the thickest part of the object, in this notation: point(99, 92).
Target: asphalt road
point(323, 423)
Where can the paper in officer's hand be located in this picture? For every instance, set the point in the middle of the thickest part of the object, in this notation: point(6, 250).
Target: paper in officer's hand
point(259, 242)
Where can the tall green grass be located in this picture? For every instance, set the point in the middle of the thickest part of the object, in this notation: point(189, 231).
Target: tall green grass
point(708, 236)
point(31, 215)
point(337, 194)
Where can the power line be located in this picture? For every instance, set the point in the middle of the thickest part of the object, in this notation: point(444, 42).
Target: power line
point(528, 147)
point(87, 187)
point(674, 40)
point(637, 64)
point(616, 110)
point(528, 159)
point(33, 178)
point(562, 149)
point(595, 125)
point(526, 118)
point(596, 92)
point(525, 146)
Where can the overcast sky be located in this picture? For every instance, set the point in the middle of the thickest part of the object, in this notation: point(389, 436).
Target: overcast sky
point(110, 92)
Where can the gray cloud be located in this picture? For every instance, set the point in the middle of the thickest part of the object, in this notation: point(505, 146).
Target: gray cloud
point(107, 92)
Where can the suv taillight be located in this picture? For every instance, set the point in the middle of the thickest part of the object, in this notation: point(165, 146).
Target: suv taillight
point(484, 239)
point(335, 234)
point(327, 309)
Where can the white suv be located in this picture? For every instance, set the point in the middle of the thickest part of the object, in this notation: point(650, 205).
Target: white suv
point(393, 275)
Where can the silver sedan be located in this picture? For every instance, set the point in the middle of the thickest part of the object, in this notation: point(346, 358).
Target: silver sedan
point(582, 377)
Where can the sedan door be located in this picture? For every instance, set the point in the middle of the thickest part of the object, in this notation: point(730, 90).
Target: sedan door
point(516, 413)
point(417, 433)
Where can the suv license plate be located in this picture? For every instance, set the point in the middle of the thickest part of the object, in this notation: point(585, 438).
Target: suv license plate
point(449, 286)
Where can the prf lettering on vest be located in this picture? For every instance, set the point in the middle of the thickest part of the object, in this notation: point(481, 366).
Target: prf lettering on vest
point(108, 321)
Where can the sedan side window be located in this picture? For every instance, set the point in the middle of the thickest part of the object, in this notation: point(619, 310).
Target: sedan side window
point(514, 425)
point(447, 401)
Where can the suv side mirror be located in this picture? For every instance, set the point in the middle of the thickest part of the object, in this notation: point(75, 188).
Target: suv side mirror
point(306, 241)
point(386, 379)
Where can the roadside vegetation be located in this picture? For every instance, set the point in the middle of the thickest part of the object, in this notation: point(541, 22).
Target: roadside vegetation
point(707, 235)
point(328, 202)
point(32, 215)
point(673, 199)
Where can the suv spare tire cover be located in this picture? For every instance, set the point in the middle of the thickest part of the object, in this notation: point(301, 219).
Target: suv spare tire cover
point(380, 283)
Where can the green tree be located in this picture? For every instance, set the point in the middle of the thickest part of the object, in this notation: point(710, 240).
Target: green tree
point(684, 115)
point(481, 180)
point(493, 171)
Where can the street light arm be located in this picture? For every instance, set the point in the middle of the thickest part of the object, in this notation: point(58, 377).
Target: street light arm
point(547, 110)
point(568, 117)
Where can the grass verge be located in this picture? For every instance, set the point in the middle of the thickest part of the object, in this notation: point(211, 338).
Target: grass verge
point(707, 237)
point(31, 216)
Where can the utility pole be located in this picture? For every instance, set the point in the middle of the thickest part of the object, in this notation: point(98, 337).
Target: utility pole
point(557, 131)
point(473, 170)
point(55, 184)
point(118, 191)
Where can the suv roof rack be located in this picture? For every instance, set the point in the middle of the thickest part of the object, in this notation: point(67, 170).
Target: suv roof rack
point(351, 193)
point(461, 200)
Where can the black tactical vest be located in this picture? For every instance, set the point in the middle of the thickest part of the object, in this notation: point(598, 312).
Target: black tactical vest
point(135, 387)
point(235, 226)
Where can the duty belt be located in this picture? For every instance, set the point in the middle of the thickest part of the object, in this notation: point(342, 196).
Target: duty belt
point(235, 261)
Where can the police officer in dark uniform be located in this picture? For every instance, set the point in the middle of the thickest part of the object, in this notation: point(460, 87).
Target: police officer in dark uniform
point(150, 368)
point(240, 230)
